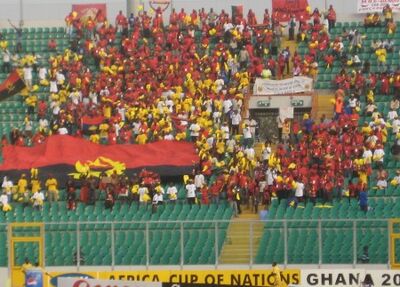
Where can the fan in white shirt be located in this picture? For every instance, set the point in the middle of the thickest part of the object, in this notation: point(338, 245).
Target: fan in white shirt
point(396, 125)
point(172, 192)
point(225, 131)
point(299, 192)
point(367, 155)
point(392, 115)
point(199, 180)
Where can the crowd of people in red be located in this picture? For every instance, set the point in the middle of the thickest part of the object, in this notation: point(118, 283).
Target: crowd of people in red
point(146, 81)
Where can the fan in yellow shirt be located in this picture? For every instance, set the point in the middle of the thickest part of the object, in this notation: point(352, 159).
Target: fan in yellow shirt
point(52, 188)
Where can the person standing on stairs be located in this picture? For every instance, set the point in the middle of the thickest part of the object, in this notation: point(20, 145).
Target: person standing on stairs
point(292, 27)
point(331, 16)
point(286, 56)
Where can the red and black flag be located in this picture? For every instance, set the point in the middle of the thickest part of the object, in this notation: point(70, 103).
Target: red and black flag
point(62, 155)
point(11, 86)
point(91, 124)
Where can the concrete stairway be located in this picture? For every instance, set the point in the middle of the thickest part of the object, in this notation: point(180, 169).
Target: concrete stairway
point(322, 105)
point(292, 47)
point(242, 230)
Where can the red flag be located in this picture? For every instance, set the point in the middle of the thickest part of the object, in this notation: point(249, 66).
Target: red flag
point(60, 151)
point(86, 10)
point(283, 9)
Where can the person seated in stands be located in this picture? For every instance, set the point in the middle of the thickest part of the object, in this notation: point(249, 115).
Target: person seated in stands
point(109, 200)
point(381, 179)
point(391, 27)
point(370, 108)
point(52, 45)
point(388, 45)
point(396, 179)
point(337, 47)
point(356, 42)
point(38, 200)
point(387, 13)
point(375, 44)
point(368, 20)
point(376, 20)
point(4, 202)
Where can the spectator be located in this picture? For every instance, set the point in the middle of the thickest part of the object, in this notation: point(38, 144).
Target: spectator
point(191, 192)
point(81, 257)
point(331, 16)
point(52, 188)
point(365, 255)
point(387, 14)
point(363, 201)
point(4, 202)
point(52, 45)
point(172, 193)
point(6, 60)
point(28, 76)
point(38, 199)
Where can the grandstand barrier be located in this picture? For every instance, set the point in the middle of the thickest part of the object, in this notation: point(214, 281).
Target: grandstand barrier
point(199, 242)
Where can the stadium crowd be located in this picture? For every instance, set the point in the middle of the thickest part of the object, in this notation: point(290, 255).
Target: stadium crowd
point(188, 80)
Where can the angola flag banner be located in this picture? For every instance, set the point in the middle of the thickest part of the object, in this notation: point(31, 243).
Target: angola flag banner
point(62, 155)
point(11, 86)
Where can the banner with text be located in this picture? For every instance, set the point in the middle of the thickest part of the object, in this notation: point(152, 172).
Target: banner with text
point(349, 278)
point(84, 282)
point(372, 6)
point(281, 87)
point(211, 277)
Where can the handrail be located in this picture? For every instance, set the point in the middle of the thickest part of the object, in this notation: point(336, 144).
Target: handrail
point(350, 220)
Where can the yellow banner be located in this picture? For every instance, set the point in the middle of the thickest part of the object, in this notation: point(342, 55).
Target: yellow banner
point(217, 277)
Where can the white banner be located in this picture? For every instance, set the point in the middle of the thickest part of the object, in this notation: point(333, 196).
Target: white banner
point(372, 6)
point(83, 282)
point(282, 87)
point(348, 278)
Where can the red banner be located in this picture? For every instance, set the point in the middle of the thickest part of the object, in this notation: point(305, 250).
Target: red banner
point(67, 150)
point(86, 10)
point(283, 9)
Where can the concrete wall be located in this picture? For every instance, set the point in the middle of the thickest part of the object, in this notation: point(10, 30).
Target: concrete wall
point(53, 12)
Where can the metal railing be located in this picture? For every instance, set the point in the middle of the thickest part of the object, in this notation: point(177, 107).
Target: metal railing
point(323, 241)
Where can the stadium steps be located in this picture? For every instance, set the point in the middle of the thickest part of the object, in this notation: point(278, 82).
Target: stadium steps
point(236, 249)
point(292, 47)
point(322, 106)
